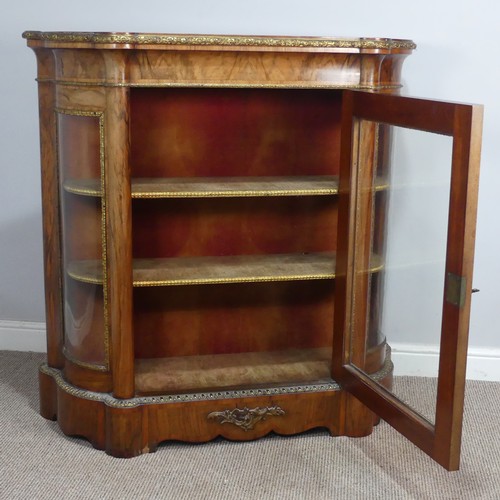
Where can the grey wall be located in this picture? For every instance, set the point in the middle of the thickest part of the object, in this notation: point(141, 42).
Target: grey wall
point(456, 60)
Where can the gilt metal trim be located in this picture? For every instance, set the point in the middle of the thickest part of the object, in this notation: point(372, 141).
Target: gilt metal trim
point(222, 281)
point(236, 85)
point(84, 364)
point(245, 418)
point(219, 40)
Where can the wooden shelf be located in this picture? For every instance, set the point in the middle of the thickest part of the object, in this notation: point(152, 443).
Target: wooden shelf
point(230, 371)
point(218, 270)
point(213, 270)
point(220, 187)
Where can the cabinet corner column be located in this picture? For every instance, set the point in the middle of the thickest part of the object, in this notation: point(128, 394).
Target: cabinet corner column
point(50, 203)
point(117, 198)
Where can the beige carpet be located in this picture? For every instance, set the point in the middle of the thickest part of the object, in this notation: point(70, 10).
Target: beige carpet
point(38, 462)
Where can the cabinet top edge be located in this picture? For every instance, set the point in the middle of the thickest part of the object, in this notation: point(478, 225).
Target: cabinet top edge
point(138, 40)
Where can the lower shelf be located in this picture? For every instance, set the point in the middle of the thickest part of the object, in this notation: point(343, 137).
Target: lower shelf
point(231, 371)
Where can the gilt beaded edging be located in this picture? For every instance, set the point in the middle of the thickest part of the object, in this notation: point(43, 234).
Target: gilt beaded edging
point(221, 85)
point(212, 194)
point(109, 400)
point(219, 40)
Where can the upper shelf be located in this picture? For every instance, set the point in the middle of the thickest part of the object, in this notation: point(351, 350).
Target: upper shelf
point(220, 187)
point(217, 270)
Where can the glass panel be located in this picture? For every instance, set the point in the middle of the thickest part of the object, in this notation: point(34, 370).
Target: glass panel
point(401, 230)
point(81, 221)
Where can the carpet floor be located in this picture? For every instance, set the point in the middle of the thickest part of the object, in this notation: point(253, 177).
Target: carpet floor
point(38, 462)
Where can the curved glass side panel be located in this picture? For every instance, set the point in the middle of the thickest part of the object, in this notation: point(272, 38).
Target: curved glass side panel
point(80, 161)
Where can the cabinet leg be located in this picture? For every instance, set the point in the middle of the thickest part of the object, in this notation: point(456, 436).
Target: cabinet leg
point(48, 396)
point(359, 419)
point(127, 432)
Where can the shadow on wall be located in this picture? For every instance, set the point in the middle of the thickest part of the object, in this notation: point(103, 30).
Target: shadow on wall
point(21, 269)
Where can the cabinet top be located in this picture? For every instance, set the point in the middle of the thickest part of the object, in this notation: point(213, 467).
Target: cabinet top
point(63, 39)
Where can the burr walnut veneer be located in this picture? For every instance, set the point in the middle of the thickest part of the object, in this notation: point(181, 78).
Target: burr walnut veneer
point(214, 233)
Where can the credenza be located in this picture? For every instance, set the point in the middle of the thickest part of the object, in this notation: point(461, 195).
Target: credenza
point(226, 238)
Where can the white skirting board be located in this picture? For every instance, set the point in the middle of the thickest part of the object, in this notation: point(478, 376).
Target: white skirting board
point(409, 359)
point(22, 336)
point(421, 360)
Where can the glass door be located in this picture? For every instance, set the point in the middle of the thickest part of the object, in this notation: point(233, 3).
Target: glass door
point(407, 208)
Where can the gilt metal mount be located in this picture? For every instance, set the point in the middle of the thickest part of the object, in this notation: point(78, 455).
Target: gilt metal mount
point(245, 418)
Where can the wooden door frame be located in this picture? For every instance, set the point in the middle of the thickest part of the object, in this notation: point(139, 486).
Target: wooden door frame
point(464, 124)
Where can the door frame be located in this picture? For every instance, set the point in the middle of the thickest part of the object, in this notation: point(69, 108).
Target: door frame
point(463, 123)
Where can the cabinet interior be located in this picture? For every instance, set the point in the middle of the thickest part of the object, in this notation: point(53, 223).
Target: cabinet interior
point(234, 226)
point(235, 203)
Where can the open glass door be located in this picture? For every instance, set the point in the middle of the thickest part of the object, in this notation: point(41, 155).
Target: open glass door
point(404, 257)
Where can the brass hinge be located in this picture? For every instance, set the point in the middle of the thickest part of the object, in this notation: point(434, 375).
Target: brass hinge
point(455, 289)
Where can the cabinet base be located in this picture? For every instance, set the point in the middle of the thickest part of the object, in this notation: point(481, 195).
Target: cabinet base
point(127, 428)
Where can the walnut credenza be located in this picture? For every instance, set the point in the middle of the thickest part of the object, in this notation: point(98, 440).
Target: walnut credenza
point(208, 203)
